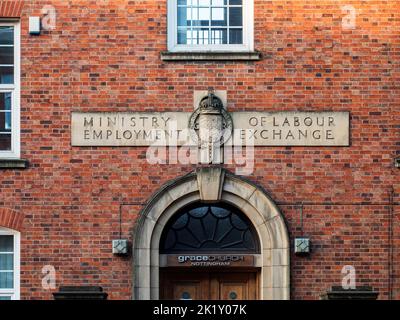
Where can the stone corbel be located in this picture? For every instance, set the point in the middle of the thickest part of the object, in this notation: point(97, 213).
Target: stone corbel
point(210, 182)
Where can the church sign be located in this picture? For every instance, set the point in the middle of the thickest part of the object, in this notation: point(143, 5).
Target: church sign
point(289, 128)
point(208, 260)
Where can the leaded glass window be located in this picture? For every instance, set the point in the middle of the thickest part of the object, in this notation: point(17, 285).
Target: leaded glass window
point(209, 228)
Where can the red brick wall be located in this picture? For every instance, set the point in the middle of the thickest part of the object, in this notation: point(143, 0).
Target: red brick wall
point(106, 57)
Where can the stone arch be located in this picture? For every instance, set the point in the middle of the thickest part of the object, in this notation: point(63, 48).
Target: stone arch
point(11, 219)
point(212, 184)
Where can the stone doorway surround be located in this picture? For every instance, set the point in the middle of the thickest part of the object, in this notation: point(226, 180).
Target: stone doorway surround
point(212, 184)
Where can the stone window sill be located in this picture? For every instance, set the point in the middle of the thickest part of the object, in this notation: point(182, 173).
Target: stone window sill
point(210, 56)
point(13, 164)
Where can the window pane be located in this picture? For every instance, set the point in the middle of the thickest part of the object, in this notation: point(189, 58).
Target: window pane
point(5, 117)
point(5, 141)
point(7, 243)
point(6, 75)
point(5, 101)
point(219, 16)
point(217, 3)
point(201, 16)
point(6, 55)
point(206, 36)
point(198, 36)
point(235, 16)
point(202, 3)
point(235, 36)
point(6, 261)
point(5, 122)
point(235, 2)
point(5, 297)
point(6, 35)
point(6, 280)
point(184, 16)
point(182, 37)
point(219, 36)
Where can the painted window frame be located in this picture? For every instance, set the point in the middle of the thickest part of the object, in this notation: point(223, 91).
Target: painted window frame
point(248, 32)
point(14, 293)
point(15, 90)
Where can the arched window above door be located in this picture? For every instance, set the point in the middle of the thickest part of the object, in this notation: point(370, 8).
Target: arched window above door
point(211, 228)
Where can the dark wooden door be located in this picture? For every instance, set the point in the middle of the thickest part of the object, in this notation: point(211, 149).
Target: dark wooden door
point(208, 285)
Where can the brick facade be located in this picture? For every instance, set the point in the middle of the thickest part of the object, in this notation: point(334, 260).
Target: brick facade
point(105, 56)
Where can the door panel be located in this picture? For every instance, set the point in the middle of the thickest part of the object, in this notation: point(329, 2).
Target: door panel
point(233, 291)
point(236, 286)
point(187, 290)
point(178, 286)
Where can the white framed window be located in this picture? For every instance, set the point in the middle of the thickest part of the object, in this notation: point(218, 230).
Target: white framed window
point(9, 264)
point(210, 25)
point(9, 89)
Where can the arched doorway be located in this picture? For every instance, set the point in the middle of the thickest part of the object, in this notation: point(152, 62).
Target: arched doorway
point(209, 252)
point(213, 186)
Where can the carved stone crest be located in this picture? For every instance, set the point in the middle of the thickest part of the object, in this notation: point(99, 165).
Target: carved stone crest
point(210, 126)
point(210, 122)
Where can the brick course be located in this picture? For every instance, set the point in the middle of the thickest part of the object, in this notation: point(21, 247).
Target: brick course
point(105, 56)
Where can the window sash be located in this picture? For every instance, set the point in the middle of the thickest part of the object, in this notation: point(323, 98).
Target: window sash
point(7, 280)
point(14, 88)
point(247, 32)
point(8, 116)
